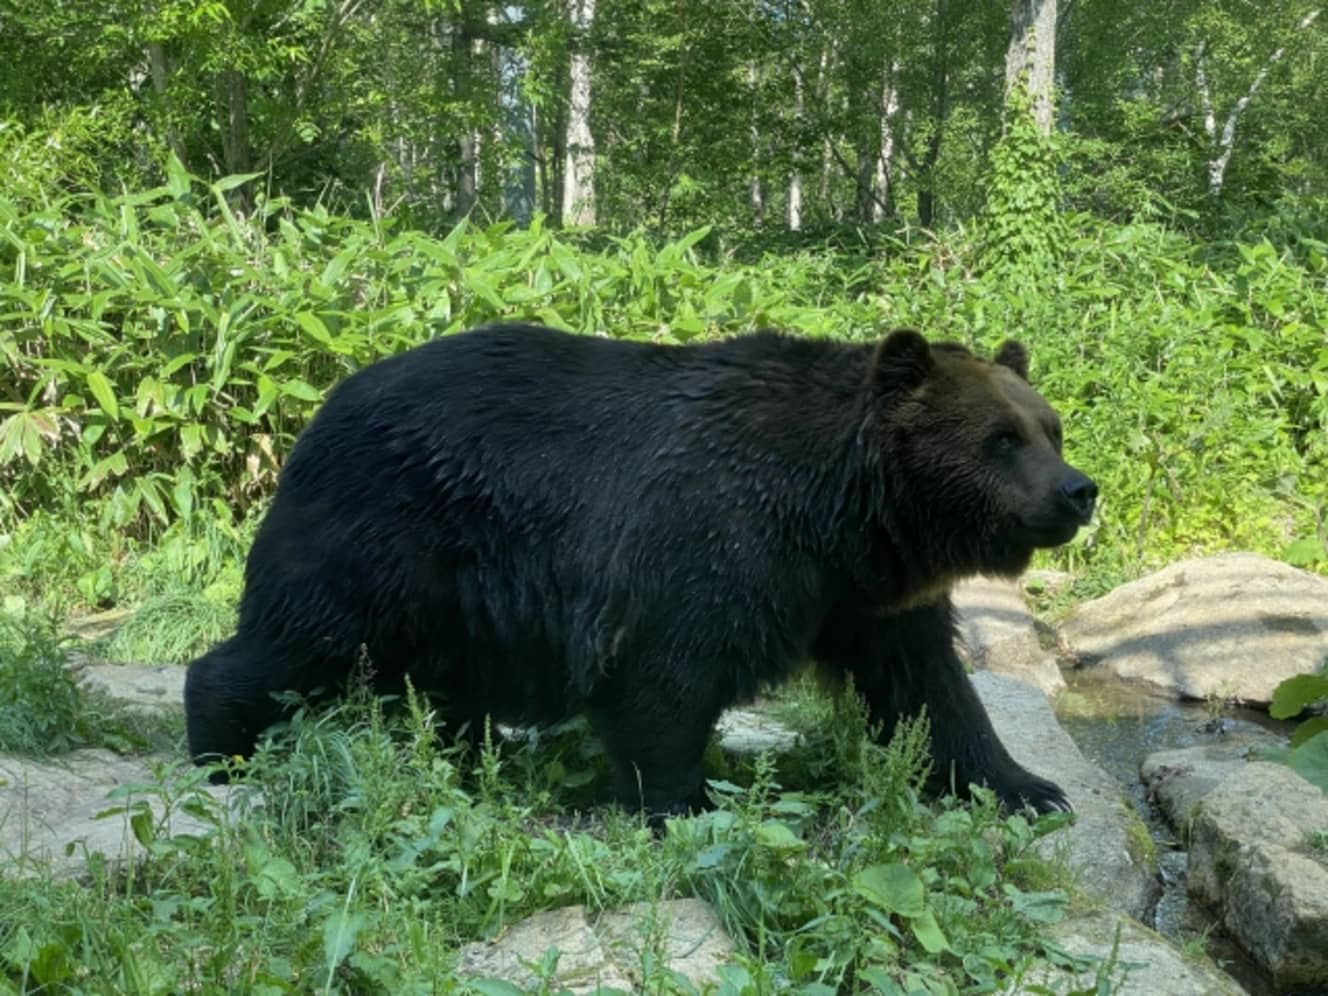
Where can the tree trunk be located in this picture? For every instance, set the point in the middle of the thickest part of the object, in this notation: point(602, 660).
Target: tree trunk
point(159, 71)
point(1222, 146)
point(237, 155)
point(876, 155)
point(940, 83)
point(1031, 56)
point(675, 136)
point(755, 189)
point(795, 178)
point(463, 50)
point(579, 169)
point(882, 206)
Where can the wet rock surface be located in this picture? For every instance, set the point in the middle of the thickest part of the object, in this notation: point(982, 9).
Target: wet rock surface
point(1256, 853)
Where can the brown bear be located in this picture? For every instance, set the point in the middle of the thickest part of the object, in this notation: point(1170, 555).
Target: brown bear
point(532, 524)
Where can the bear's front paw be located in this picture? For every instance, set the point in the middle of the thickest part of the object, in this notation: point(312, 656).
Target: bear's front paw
point(1043, 796)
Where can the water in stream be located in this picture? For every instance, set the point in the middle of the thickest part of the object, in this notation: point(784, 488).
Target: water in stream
point(1117, 726)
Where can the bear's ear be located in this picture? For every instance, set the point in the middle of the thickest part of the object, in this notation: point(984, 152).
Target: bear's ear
point(902, 361)
point(1013, 355)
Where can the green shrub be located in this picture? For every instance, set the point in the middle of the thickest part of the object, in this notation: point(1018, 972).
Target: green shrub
point(159, 355)
point(40, 705)
point(378, 849)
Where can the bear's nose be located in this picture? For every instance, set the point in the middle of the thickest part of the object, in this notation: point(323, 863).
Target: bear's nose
point(1081, 492)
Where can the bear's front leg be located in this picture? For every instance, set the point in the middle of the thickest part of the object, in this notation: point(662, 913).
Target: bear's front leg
point(903, 662)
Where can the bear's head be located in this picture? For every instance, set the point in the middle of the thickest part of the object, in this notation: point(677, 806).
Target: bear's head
point(971, 457)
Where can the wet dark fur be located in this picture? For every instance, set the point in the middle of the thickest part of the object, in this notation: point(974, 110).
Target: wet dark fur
point(535, 524)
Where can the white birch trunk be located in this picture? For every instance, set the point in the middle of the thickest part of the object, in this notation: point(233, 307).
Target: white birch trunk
point(885, 158)
point(755, 190)
point(579, 164)
point(795, 179)
point(1222, 145)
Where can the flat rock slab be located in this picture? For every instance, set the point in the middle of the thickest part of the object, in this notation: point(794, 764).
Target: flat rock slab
point(49, 810)
point(1229, 627)
point(152, 687)
point(998, 633)
point(606, 951)
point(1139, 962)
point(1107, 843)
point(1251, 856)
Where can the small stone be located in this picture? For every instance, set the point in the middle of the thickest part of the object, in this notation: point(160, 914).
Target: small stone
point(749, 731)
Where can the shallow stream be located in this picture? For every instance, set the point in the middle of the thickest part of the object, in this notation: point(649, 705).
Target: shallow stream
point(1116, 726)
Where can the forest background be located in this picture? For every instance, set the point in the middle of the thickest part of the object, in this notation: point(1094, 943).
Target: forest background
point(211, 212)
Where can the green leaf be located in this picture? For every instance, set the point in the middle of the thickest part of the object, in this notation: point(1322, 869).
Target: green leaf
point(314, 326)
point(1309, 728)
point(177, 177)
point(495, 987)
point(339, 934)
point(777, 836)
point(234, 180)
point(1310, 760)
point(143, 826)
point(101, 390)
point(894, 887)
point(1304, 552)
point(1292, 696)
point(114, 465)
point(302, 390)
point(929, 933)
point(1040, 907)
point(277, 878)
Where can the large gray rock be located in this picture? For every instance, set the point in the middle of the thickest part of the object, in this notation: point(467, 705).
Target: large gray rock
point(1178, 780)
point(1250, 854)
point(49, 810)
point(1136, 960)
point(1109, 847)
point(1228, 627)
point(998, 633)
point(606, 951)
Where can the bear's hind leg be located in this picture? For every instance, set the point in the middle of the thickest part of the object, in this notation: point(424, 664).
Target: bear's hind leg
point(903, 662)
point(656, 742)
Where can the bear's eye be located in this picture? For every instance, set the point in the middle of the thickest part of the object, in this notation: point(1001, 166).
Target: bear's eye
point(1003, 442)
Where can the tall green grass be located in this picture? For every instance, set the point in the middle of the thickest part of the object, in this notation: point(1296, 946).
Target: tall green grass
point(158, 354)
point(377, 850)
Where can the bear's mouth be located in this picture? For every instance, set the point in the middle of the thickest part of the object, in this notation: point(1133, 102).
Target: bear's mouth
point(1048, 534)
